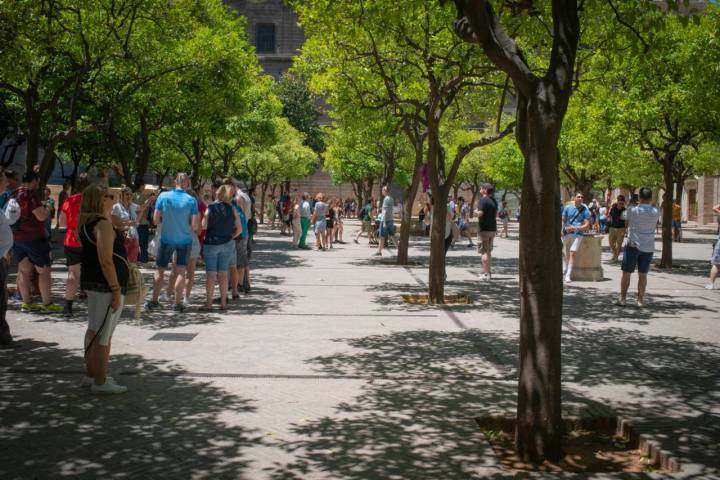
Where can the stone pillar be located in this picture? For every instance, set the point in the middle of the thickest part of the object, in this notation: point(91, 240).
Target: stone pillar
point(587, 261)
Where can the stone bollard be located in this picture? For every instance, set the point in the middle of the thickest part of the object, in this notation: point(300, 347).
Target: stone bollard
point(587, 261)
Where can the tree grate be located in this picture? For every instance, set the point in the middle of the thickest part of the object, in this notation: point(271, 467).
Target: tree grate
point(173, 337)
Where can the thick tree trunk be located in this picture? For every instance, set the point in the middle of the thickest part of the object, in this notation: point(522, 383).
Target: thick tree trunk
point(666, 259)
point(48, 165)
point(436, 274)
point(406, 225)
point(539, 429)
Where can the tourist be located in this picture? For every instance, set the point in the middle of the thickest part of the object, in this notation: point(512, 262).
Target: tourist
point(177, 213)
point(387, 226)
point(504, 216)
point(339, 214)
point(11, 178)
point(192, 260)
point(222, 224)
point(32, 245)
point(125, 220)
point(330, 224)
point(8, 216)
point(104, 277)
point(271, 211)
point(463, 221)
point(616, 234)
point(365, 223)
point(319, 222)
point(50, 204)
point(575, 222)
point(715, 257)
point(676, 221)
point(487, 227)
point(62, 197)
point(145, 226)
point(641, 220)
point(602, 219)
point(305, 219)
point(296, 223)
point(241, 271)
point(71, 244)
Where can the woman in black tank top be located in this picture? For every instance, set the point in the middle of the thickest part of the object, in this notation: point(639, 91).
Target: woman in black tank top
point(104, 277)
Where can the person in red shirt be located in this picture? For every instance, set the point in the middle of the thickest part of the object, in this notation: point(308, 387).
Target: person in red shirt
point(73, 248)
point(31, 245)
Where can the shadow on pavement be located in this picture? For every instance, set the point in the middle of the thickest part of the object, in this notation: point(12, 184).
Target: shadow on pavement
point(415, 420)
point(164, 427)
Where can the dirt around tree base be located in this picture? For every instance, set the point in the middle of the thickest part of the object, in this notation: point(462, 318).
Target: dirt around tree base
point(586, 450)
point(449, 299)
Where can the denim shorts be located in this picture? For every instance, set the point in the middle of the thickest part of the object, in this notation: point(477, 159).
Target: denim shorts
point(632, 258)
point(387, 230)
point(218, 258)
point(165, 253)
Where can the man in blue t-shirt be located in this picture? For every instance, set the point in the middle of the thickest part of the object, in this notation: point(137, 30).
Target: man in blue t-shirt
point(575, 221)
point(176, 212)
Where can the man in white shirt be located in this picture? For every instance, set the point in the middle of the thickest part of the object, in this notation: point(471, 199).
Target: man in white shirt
point(641, 221)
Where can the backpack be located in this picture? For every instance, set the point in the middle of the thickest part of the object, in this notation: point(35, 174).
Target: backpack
point(502, 214)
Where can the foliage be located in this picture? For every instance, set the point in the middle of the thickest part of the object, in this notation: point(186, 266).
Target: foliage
point(302, 108)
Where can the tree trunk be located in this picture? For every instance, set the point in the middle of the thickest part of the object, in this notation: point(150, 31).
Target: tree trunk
point(32, 139)
point(143, 155)
point(666, 260)
point(48, 165)
point(406, 223)
point(262, 201)
point(539, 430)
point(436, 274)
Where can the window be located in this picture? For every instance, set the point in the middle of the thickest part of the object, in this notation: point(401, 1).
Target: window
point(265, 38)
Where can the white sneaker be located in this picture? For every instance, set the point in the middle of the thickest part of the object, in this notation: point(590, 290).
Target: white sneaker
point(186, 301)
point(88, 381)
point(710, 286)
point(641, 303)
point(568, 280)
point(620, 302)
point(108, 388)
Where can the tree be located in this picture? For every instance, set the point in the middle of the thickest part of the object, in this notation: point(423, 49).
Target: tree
point(404, 56)
point(51, 52)
point(302, 108)
point(670, 102)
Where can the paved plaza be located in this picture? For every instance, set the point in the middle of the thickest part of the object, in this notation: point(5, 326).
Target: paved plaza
point(323, 372)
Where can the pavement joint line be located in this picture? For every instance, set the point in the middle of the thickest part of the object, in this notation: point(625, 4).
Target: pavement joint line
point(261, 376)
point(376, 314)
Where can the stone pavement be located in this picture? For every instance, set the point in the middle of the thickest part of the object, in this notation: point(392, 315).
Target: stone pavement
point(323, 372)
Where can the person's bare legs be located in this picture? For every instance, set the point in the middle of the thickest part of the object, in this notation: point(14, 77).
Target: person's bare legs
point(234, 280)
point(486, 259)
point(158, 279)
point(23, 284)
point(713, 275)
point(101, 356)
point(381, 244)
point(210, 279)
point(180, 284)
point(320, 240)
point(190, 277)
point(642, 283)
point(89, 361)
point(73, 280)
point(44, 284)
point(223, 279)
point(624, 285)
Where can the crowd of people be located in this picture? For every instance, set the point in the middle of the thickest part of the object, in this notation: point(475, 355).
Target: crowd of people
point(106, 238)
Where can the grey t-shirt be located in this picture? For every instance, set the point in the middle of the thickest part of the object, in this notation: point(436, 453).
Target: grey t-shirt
point(321, 210)
point(388, 205)
point(642, 221)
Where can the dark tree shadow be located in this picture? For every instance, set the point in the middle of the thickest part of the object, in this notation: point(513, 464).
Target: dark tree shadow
point(415, 419)
point(165, 426)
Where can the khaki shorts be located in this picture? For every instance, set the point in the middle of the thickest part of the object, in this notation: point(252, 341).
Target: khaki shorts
point(486, 239)
point(616, 236)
